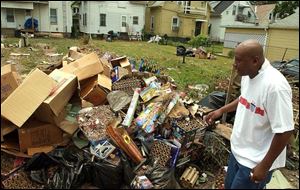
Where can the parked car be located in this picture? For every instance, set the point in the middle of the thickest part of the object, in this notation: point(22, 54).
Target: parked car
point(290, 68)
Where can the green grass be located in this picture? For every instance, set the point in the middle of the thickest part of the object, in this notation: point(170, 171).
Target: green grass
point(193, 71)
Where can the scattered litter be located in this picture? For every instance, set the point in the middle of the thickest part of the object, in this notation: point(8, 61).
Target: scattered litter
point(19, 54)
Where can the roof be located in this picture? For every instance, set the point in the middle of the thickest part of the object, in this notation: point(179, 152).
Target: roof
point(291, 21)
point(263, 11)
point(139, 2)
point(222, 6)
point(213, 4)
point(157, 4)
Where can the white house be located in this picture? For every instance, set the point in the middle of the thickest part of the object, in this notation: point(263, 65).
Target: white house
point(99, 17)
point(52, 16)
point(227, 13)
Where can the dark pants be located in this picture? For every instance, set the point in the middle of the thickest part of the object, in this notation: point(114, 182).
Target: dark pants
point(238, 176)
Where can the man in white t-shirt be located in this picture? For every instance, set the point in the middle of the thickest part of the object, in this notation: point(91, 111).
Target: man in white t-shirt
point(263, 121)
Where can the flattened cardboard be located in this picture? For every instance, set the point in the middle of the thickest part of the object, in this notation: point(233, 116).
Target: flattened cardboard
point(21, 104)
point(85, 67)
point(35, 134)
point(51, 109)
point(10, 80)
point(96, 90)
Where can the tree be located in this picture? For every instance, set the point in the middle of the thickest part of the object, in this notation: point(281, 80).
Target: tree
point(285, 8)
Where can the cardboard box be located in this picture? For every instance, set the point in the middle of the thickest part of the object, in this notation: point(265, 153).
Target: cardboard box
point(75, 55)
point(123, 62)
point(69, 124)
point(96, 89)
point(6, 128)
point(22, 103)
point(107, 67)
point(85, 67)
point(51, 110)
point(35, 134)
point(45, 149)
point(10, 80)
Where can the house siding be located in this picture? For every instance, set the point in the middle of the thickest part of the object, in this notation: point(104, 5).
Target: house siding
point(41, 12)
point(163, 20)
point(218, 23)
point(279, 40)
point(113, 10)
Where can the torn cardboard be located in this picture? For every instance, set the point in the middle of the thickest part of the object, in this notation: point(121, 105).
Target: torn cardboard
point(10, 80)
point(223, 130)
point(6, 128)
point(85, 67)
point(107, 67)
point(123, 62)
point(96, 90)
point(21, 104)
point(51, 110)
point(75, 54)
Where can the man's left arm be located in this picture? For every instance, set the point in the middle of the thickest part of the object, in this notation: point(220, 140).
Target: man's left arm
point(279, 142)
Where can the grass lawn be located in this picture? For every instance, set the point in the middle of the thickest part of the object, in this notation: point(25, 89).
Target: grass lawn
point(193, 71)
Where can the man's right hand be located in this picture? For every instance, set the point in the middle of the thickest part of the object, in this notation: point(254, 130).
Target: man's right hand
point(212, 116)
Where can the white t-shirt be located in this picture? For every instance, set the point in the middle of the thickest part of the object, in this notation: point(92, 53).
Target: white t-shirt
point(265, 108)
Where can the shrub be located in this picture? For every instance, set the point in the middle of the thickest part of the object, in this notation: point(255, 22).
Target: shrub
point(200, 40)
point(231, 54)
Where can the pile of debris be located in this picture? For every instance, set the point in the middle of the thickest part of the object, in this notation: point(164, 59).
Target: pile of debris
point(200, 52)
point(97, 120)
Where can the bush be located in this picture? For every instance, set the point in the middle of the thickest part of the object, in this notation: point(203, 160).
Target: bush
point(231, 54)
point(200, 40)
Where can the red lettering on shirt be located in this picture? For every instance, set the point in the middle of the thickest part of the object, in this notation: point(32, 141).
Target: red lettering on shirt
point(245, 102)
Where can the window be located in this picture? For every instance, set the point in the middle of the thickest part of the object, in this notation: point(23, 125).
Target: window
point(152, 23)
point(27, 12)
point(249, 14)
point(84, 21)
point(75, 10)
point(202, 4)
point(10, 17)
point(179, 2)
point(175, 21)
point(53, 16)
point(102, 19)
point(123, 21)
point(233, 10)
point(135, 20)
point(227, 12)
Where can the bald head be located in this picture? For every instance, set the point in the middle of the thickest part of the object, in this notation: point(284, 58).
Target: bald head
point(251, 48)
point(249, 57)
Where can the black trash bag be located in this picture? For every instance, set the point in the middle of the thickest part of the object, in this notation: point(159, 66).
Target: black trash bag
point(40, 161)
point(106, 175)
point(180, 50)
point(38, 165)
point(128, 169)
point(163, 178)
point(189, 53)
point(75, 168)
point(216, 100)
point(39, 176)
